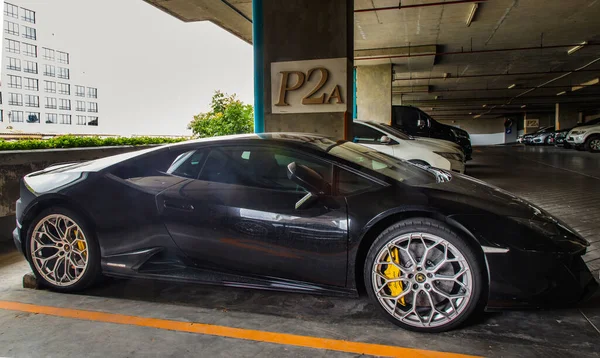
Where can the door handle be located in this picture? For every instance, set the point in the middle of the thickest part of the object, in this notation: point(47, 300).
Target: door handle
point(178, 206)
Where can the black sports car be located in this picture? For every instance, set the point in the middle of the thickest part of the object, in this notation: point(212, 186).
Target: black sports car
point(300, 213)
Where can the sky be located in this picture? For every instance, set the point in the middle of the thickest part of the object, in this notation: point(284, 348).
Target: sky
point(153, 72)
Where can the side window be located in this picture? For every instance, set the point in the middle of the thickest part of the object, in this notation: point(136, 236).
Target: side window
point(256, 166)
point(349, 183)
point(406, 117)
point(149, 165)
point(364, 134)
point(188, 165)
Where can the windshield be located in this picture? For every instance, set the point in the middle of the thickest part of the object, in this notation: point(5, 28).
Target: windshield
point(382, 163)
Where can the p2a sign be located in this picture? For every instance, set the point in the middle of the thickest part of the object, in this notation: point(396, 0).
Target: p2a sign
point(311, 86)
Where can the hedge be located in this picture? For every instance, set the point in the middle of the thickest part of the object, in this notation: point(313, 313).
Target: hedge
point(71, 141)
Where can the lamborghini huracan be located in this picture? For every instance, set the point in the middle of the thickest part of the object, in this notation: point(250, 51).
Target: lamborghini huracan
point(300, 213)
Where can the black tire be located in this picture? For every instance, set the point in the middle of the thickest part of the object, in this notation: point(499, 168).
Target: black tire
point(547, 141)
point(92, 271)
point(441, 230)
point(592, 144)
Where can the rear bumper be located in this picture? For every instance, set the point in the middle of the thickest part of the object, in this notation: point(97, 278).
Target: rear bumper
point(17, 239)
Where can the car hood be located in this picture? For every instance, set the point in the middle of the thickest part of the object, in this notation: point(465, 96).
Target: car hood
point(438, 144)
point(480, 195)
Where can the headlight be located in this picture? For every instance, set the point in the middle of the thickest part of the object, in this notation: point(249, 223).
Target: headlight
point(451, 156)
point(577, 132)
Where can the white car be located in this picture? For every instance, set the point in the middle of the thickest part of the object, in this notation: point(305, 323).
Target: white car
point(585, 137)
point(425, 151)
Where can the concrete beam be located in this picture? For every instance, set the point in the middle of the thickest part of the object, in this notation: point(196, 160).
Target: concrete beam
point(219, 12)
point(395, 51)
point(411, 89)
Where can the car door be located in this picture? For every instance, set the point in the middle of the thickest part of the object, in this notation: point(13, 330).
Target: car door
point(371, 137)
point(238, 215)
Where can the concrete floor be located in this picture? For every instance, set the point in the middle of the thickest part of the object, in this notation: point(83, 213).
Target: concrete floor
point(566, 183)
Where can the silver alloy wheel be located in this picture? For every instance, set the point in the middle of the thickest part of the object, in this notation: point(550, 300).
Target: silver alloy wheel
point(422, 280)
point(595, 144)
point(59, 250)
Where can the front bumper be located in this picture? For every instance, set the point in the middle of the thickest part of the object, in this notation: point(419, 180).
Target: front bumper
point(533, 279)
point(576, 139)
point(17, 239)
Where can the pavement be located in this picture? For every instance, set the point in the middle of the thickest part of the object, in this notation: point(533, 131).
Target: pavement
point(144, 318)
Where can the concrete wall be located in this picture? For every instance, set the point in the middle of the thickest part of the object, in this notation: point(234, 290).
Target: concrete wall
point(482, 131)
point(566, 116)
point(296, 30)
point(16, 164)
point(374, 93)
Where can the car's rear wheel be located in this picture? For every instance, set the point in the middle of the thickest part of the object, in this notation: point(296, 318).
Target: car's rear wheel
point(423, 276)
point(62, 251)
point(592, 144)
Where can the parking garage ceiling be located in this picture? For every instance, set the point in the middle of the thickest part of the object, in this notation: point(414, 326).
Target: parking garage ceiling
point(512, 56)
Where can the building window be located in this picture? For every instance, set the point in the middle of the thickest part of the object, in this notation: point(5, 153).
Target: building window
point(81, 120)
point(50, 86)
point(80, 91)
point(50, 103)
point(92, 121)
point(65, 104)
point(32, 100)
point(62, 57)
point(1, 115)
point(93, 107)
point(29, 33)
point(65, 119)
point(29, 50)
point(11, 10)
point(11, 28)
point(33, 117)
point(80, 106)
point(51, 117)
point(48, 54)
point(49, 70)
point(28, 15)
point(14, 81)
point(63, 73)
point(16, 116)
point(30, 67)
point(92, 92)
point(15, 99)
point(31, 84)
point(14, 64)
point(13, 46)
point(64, 88)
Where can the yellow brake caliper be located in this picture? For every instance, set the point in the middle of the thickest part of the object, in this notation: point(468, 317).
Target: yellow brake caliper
point(391, 272)
point(80, 244)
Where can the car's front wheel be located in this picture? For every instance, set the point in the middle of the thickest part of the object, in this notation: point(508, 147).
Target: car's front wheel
point(62, 250)
point(592, 144)
point(423, 276)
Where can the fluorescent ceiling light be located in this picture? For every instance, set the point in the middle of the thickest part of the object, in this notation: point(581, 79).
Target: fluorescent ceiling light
point(438, 97)
point(472, 14)
point(523, 106)
point(470, 112)
point(586, 84)
point(561, 93)
point(577, 48)
point(512, 86)
point(477, 116)
point(485, 105)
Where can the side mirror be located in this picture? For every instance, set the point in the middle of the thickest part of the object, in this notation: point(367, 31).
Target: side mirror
point(308, 179)
point(385, 140)
point(421, 123)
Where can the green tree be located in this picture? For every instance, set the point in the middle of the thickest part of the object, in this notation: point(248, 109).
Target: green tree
point(228, 115)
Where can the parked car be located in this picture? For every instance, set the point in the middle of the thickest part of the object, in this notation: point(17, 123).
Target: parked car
point(300, 213)
point(586, 137)
point(561, 136)
point(415, 122)
point(389, 140)
point(528, 138)
point(543, 136)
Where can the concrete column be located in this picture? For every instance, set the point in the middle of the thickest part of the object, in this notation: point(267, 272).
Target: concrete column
point(374, 93)
point(299, 30)
point(566, 116)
